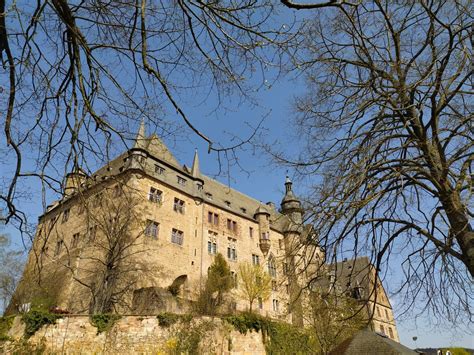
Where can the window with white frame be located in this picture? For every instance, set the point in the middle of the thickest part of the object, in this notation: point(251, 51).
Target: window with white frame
point(177, 236)
point(152, 229)
point(178, 205)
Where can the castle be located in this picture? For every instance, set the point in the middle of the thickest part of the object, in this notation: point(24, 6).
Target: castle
point(144, 223)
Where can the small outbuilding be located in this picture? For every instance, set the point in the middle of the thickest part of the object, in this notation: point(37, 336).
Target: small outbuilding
point(367, 342)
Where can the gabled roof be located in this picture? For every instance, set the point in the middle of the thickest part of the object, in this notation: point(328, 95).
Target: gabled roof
point(366, 342)
point(155, 146)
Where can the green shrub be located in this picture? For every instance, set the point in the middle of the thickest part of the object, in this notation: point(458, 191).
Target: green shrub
point(278, 337)
point(167, 319)
point(104, 321)
point(5, 325)
point(35, 319)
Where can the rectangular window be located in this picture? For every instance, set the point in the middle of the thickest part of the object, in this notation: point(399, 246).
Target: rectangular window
point(159, 170)
point(181, 181)
point(265, 235)
point(251, 232)
point(178, 205)
point(152, 229)
point(390, 331)
point(155, 195)
point(59, 247)
point(274, 286)
point(211, 247)
point(285, 269)
point(75, 240)
point(378, 311)
point(231, 253)
point(177, 236)
point(213, 218)
point(66, 215)
point(260, 303)
point(382, 330)
point(386, 314)
point(234, 278)
point(271, 267)
point(276, 305)
point(255, 259)
point(231, 225)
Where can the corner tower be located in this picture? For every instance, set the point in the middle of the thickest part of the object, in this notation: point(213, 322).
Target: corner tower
point(291, 208)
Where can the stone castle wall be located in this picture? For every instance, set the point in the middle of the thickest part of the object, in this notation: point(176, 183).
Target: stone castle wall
point(135, 335)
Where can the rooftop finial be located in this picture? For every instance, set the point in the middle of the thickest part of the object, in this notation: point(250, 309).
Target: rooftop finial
point(195, 168)
point(141, 134)
point(288, 184)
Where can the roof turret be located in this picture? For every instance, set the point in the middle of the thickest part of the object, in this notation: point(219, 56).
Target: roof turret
point(290, 202)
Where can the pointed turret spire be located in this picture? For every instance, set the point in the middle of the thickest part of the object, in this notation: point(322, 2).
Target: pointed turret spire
point(291, 205)
point(139, 139)
point(195, 168)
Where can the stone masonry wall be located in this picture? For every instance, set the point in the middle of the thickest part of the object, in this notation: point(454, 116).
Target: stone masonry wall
point(134, 335)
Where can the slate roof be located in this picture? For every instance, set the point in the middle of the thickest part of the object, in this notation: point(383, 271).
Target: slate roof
point(214, 192)
point(367, 342)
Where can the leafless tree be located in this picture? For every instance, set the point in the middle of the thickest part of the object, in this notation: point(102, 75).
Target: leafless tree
point(388, 126)
point(112, 257)
point(12, 265)
point(78, 76)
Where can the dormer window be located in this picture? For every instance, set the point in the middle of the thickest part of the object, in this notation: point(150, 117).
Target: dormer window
point(159, 170)
point(209, 195)
point(243, 210)
point(227, 203)
point(181, 181)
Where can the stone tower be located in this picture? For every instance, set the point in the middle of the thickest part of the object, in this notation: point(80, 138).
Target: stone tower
point(294, 265)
